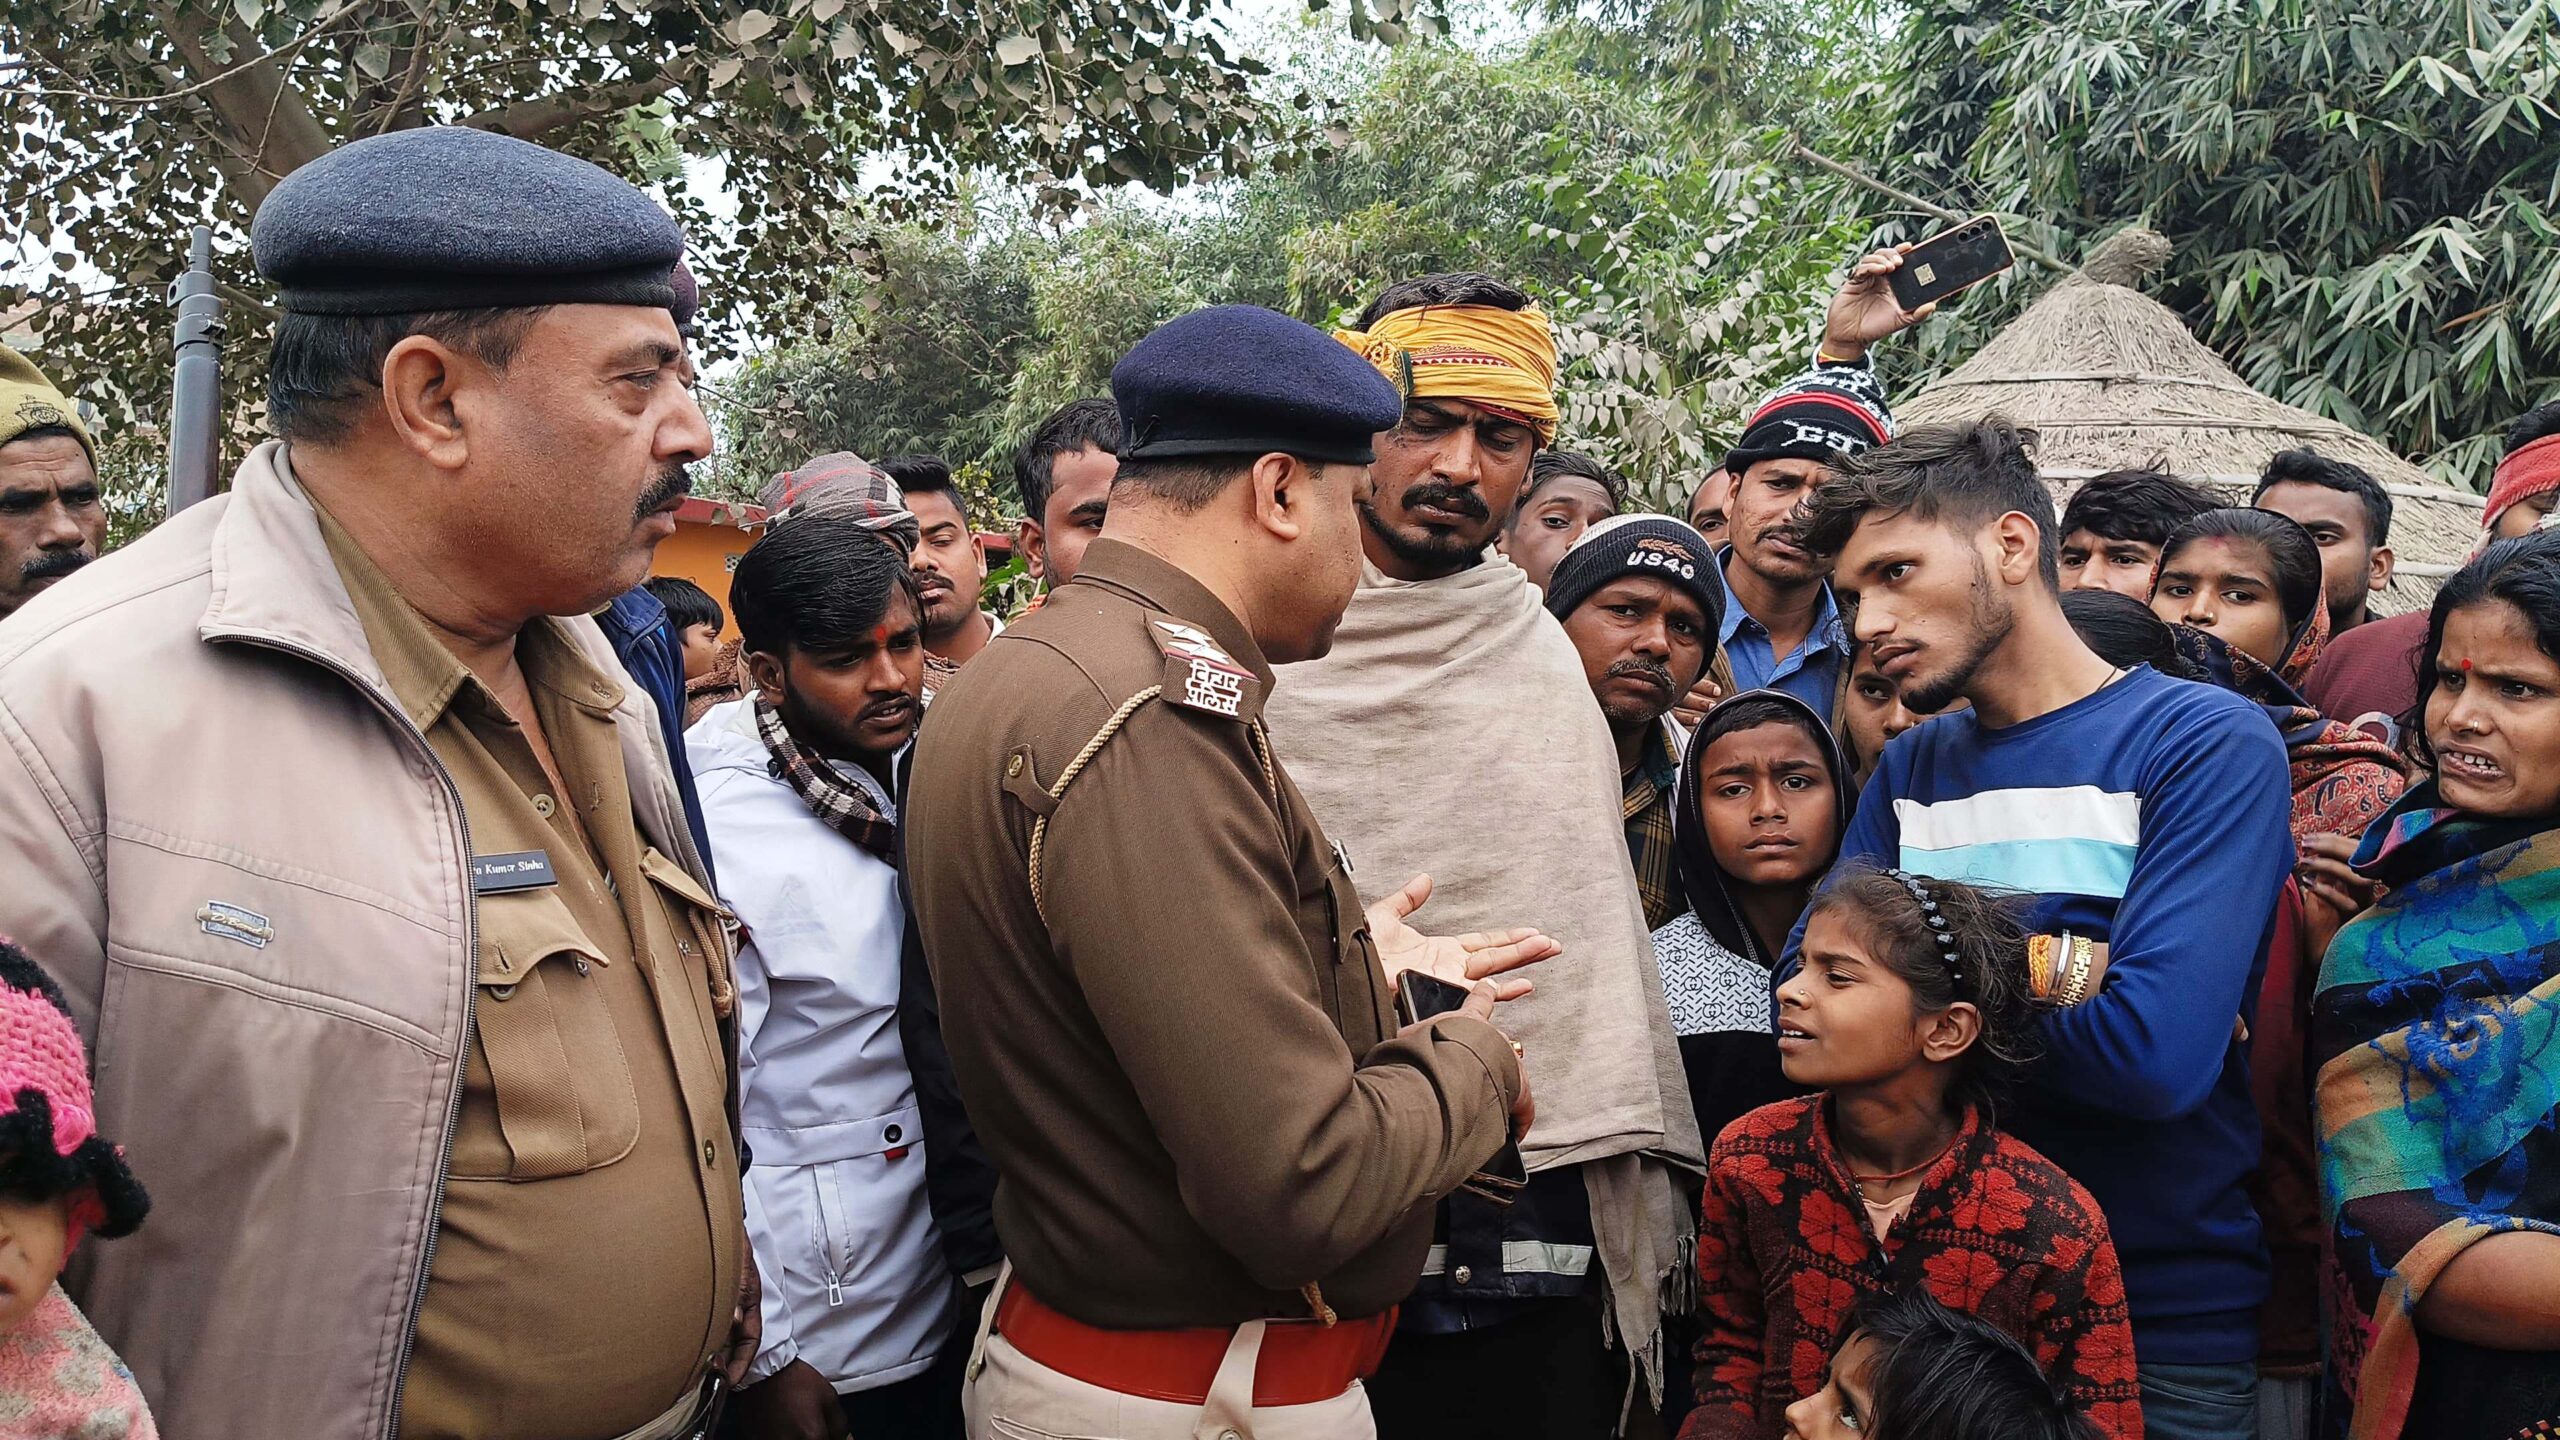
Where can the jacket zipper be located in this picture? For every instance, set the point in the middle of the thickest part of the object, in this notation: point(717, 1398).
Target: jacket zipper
point(470, 995)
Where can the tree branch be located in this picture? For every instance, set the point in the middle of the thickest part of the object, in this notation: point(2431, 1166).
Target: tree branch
point(533, 119)
point(1812, 157)
point(270, 138)
point(325, 20)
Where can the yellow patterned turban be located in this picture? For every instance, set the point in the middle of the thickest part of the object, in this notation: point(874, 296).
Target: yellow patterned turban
point(1503, 360)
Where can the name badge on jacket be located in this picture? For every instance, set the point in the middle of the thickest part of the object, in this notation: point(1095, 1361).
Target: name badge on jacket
point(505, 874)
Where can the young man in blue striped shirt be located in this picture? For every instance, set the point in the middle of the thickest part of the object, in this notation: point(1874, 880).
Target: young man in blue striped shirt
point(2147, 818)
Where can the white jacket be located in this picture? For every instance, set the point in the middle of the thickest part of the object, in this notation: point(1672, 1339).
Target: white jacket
point(854, 1277)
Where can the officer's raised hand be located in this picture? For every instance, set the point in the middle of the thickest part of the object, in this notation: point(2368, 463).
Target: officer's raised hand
point(1471, 959)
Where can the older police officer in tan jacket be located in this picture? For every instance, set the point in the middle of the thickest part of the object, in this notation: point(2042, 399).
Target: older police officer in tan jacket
point(364, 869)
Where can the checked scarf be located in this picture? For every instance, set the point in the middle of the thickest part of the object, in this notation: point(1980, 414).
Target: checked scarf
point(843, 804)
point(1646, 804)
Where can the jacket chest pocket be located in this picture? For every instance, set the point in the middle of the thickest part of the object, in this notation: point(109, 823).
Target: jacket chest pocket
point(1355, 984)
point(556, 1070)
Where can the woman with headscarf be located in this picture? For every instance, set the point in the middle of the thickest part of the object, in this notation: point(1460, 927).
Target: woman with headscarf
point(2437, 1027)
point(2246, 585)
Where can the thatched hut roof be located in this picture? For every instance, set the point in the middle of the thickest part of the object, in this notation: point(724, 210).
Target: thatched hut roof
point(2111, 379)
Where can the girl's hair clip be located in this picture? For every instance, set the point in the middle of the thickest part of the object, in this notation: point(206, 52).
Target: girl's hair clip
point(1939, 929)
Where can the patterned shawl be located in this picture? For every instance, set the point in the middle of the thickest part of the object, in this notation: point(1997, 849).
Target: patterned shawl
point(2343, 779)
point(2436, 1033)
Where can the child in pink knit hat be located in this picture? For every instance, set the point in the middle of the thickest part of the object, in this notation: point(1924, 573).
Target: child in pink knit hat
point(58, 1180)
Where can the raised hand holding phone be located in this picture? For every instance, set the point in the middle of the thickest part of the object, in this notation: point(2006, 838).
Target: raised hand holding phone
point(1949, 262)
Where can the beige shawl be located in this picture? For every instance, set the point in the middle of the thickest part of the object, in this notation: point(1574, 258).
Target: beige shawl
point(1451, 731)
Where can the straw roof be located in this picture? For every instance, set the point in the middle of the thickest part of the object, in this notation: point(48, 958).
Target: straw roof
point(2111, 379)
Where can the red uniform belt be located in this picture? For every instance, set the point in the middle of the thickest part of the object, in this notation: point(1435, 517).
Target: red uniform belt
point(1302, 1362)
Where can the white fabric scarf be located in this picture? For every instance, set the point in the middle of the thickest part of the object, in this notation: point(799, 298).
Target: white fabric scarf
point(1451, 732)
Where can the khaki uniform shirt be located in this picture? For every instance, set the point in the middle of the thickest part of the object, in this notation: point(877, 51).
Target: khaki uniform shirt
point(587, 1255)
point(1181, 1053)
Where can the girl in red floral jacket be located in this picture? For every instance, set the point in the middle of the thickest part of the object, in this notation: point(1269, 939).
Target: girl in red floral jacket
point(1911, 1009)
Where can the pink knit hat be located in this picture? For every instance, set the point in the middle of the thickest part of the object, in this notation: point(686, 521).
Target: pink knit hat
point(49, 1143)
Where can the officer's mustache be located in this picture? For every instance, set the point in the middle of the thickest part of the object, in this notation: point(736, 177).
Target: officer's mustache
point(674, 483)
point(1457, 500)
point(54, 564)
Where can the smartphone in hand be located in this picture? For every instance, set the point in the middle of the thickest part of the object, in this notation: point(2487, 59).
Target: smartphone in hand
point(1950, 261)
point(1421, 995)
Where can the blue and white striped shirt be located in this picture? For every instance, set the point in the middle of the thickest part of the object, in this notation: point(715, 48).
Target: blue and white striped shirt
point(2154, 816)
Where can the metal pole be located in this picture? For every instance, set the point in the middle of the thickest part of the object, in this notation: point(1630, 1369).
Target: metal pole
point(195, 404)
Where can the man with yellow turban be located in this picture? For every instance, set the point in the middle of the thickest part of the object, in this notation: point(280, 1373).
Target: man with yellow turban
point(1451, 732)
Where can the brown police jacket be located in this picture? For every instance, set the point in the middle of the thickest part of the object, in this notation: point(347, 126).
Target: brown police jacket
point(1179, 1047)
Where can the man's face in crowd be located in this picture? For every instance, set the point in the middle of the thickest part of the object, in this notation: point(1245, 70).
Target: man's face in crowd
point(1550, 520)
point(1707, 505)
point(950, 563)
point(51, 521)
point(1643, 642)
point(2091, 561)
point(600, 392)
point(2521, 517)
point(1764, 501)
point(701, 646)
point(2351, 567)
point(2227, 586)
point(1929, 609)
point(1443, 484)
point(1079, 498)
point(860, 703)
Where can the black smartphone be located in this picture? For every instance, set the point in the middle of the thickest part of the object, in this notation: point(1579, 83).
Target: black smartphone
point(1951, 261)
point(1421, 995)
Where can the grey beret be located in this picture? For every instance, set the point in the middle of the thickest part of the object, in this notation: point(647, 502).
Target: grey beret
point(449, 218)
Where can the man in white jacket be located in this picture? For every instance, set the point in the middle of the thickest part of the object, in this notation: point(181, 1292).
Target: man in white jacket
point(860, 1307)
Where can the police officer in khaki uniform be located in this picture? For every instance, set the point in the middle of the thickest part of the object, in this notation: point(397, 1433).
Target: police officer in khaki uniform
point(1170, 1019)
point(362, 858)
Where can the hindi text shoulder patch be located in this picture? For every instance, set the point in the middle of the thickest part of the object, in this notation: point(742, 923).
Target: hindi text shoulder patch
point(1198, 675)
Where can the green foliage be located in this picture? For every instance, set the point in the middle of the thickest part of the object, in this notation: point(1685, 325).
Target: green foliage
point(125, 121)
point(1680, 281)
point(897, 360)
point(2363, 198)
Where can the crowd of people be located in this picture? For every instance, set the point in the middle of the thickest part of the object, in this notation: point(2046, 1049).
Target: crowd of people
point(1396, 940)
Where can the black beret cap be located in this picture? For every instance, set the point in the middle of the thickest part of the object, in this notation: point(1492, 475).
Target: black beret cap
point(1242, 380)
point(450, 218)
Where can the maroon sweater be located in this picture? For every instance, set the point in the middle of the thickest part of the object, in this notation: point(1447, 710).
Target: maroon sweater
point(1784, 1250)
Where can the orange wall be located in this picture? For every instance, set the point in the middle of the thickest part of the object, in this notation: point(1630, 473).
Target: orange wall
point(704, 554)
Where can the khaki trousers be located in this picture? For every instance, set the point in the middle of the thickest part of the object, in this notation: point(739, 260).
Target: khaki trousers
point(1010, 1396)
